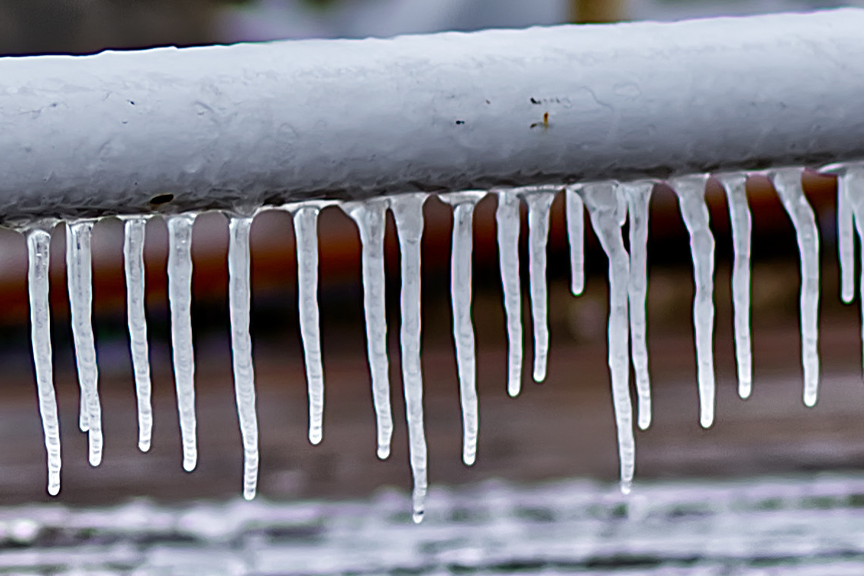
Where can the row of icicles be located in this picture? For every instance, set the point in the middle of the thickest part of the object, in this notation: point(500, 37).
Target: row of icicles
point(609, 205)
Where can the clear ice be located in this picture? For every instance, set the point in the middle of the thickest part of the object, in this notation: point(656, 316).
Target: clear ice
point(133, 261)
point(845, 241)
point(638, 196)
point(508, 223)
point(38, 251)
point(239, 296)
point(370, 217)
point(306, 235)
point(408, 212)
point(463, 329)
point(80, 287)
point(576, 237)
point(694, 211)
point(789, 188)
point(735, 186)
point(539, 201)
point(601, 200)
point(180, 299)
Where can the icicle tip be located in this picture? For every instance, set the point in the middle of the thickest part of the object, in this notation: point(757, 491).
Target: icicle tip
point(383, 452)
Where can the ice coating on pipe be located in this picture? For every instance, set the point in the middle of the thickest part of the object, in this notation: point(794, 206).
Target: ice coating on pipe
point(638, 196)
point(739, 215)
point(789, 188)
point(408, 213)
point(38, 244)
point(694, 211)
point(369, 216)
point(133, 262)
point(180, 300)
point(508, 224)
point(602, 204)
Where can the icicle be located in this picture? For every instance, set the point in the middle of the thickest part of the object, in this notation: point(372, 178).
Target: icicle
point(539, 201)
point(508, 223)
point(133, 258)
point(787, 182)
point(576, 237)
point(306, 235)
point(852, 182)
point(38, 241)
point(241, 347)
point(80, 287)
point(638, 196)
point(408, 213)
point(463, 330)
point(602, 204)
point(739, 215)
point(691, 197)
point(845, 242)
point(180, 299)
point(370, 219)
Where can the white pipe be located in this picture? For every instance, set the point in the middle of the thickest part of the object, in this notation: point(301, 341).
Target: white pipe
point(268, 123)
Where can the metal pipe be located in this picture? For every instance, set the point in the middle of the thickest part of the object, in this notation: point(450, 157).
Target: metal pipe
point(253, 124)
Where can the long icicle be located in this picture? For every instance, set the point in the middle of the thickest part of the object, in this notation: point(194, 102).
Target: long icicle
point(133, 260)
point(638, 196)
point(694, 211)
point(602, 204)
point(38, 244)
point(735, 186)
point(180, 299)
point(408, 213)
point(508, 224)
point(539, 201)
point(370, 217)
point(463, 329)
point(845, 242)
point(576, 237)
point(306, 235)
point(788, 184)
point(239, 296)
point(852, 181)
point(80, 288)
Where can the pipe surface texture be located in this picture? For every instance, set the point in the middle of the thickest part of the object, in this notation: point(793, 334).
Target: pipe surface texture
point(253, 124)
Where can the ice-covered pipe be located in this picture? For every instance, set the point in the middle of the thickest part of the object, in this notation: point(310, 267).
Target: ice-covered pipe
point(208, 127)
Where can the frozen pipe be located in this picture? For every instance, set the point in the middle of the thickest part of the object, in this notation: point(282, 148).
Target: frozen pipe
point(208, 128)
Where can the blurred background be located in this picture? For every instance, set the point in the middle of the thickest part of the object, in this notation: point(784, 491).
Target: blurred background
point(563, 428)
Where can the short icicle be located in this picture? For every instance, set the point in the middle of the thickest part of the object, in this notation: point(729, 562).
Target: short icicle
point(694, 211)
point(735, 186)
point(508, 222)
point(788, 184)
point(306, 236)
point(38, 249)
point(539, 201)
point(80, 287)
point(239, 296)
point(576, 237)
point(852, 181)
point(463, 329)
point(408, 213)
point(133, 260)
point(845, 241)
point(370, 217)
point(638, 196)
point(180, 299)
point(602, 204)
